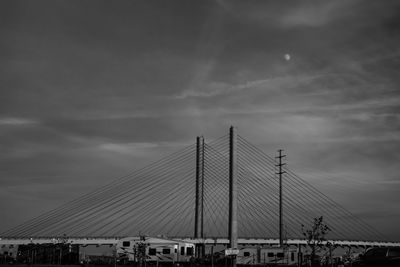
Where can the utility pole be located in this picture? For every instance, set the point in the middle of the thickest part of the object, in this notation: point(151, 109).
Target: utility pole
point(280, 164)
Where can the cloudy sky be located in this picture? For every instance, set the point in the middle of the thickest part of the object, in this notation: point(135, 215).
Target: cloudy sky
point(90, 90)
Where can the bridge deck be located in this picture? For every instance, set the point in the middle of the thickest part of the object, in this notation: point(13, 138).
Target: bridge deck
point(208, 241)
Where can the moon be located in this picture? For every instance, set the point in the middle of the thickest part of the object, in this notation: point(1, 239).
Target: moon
point(287, 57)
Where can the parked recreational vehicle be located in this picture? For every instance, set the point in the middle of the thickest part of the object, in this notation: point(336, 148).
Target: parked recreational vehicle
point(264, 255)
point(155, 249)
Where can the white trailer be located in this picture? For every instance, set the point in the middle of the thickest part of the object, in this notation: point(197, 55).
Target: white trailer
point(156, 249)
point(263, 255)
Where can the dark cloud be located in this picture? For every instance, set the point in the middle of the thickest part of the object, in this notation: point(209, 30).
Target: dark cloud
point(92, 89)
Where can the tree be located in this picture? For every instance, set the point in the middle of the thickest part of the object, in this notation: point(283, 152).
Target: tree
point(316, 235)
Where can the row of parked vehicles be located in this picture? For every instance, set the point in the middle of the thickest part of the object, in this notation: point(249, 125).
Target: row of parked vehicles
point(175, 251)
point(168, 252)
point(160, 250)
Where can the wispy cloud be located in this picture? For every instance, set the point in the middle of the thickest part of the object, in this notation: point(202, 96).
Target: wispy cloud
point(213, 89)
point(389, 182)
point(138, 148)
point(316, 14)
point(17, 121)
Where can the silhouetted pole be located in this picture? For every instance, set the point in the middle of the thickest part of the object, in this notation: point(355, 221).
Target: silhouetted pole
point(198, 224)
point(202, 193)
point(280, 197)
point(203, 247)
point(233, 192)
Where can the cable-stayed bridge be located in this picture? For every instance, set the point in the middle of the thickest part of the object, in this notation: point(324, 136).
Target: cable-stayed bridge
point(187, 195)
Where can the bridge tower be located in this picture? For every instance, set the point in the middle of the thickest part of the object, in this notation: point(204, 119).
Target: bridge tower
point(199, 209)
point(233, 192)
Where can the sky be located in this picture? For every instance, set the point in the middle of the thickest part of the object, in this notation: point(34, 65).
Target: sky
point(91, 90)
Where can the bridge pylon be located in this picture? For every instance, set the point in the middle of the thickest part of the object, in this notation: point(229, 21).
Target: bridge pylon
point(233, 192)
point(199, 208)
